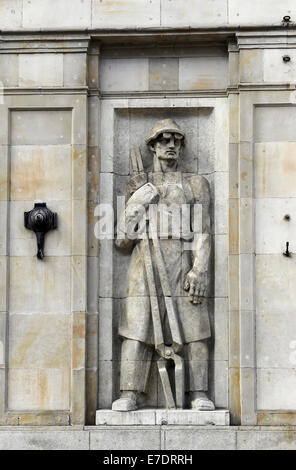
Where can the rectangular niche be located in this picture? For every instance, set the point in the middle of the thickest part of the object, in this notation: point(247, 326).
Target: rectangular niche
point(121, 129)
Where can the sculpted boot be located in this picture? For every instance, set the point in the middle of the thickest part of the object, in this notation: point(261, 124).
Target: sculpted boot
point(197, 355)
point(200, 401)
point(126, 402)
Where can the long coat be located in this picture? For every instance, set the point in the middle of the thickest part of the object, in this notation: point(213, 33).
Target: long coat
point(136, 319)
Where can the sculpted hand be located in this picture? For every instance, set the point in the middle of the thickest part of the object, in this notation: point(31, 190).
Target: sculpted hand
point(196, 285)
point(137, 180)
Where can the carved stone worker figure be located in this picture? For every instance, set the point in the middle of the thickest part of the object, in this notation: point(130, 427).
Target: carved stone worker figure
point(166, 305)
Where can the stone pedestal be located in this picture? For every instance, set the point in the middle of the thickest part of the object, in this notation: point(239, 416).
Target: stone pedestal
point(162, 417)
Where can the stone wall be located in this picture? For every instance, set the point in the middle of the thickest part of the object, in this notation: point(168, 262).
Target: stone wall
point(82, 82)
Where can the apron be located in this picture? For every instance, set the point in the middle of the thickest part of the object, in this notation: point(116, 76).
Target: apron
point(135, 319)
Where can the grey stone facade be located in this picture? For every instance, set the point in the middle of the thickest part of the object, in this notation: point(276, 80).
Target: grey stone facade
point(81, 83)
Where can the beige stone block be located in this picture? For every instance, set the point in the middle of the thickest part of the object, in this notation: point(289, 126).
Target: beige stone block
point(268, 439)
point(23, 241)
point(106, 267)
point(41, 172)
point(251, 65)
point(275, 69)
point(9, 70)
point(45, 439)
point(125, 13)
point(233, 67)
point(221, 265)
point(233, 279)
point(192, 13)
point(124, 74)
point(93, 173)
point(233, 119)
point(275, 169)
point(2, 395)
point(47, 13)
point(39, 341)
point(51, 277)
point(220, 125)
point(247, 339)
point(3, 227)
point(122, 439)
point(220, 378)
point(79, 294)
point(234, 395)
point(92, 340)
point(221, 329)
point(272, 229)
point(3, 283)
point(163, 73)
point(233, 218)
point(75, 69)
point(202, 73)
point(275, 293)
point(195, 438)
point(10, 14)
point(93, 70)
point(246, 170)
point(92, 284)
point(106, 383)
point(4, 178)
point(246, 240)
point(36, 70)
point(276, 339)
point(79, 171)
point(221, 202)
point(234, 338)
point(248, 396)
point(41, 126)
point(79, 227)
point(91, 396)
point(78, 396)
point(246, 266)
point(275, 389)
point(267, 119)
point(93, 120)
point(79, 133)
point(3, 334)
point(93, 242)
point(78, 340)
point(4, 123)
point(254, 12)
point(233, 170)
point(38, 389)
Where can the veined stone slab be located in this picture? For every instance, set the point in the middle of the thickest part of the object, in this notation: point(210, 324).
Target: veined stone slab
point(162, 416)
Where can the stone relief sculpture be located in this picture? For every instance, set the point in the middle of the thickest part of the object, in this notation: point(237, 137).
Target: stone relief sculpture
point(167, 286)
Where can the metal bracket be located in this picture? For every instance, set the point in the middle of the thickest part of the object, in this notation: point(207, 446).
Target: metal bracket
point(40, 220)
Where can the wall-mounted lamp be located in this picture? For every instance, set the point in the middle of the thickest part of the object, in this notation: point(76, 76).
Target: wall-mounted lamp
point(40, 220)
